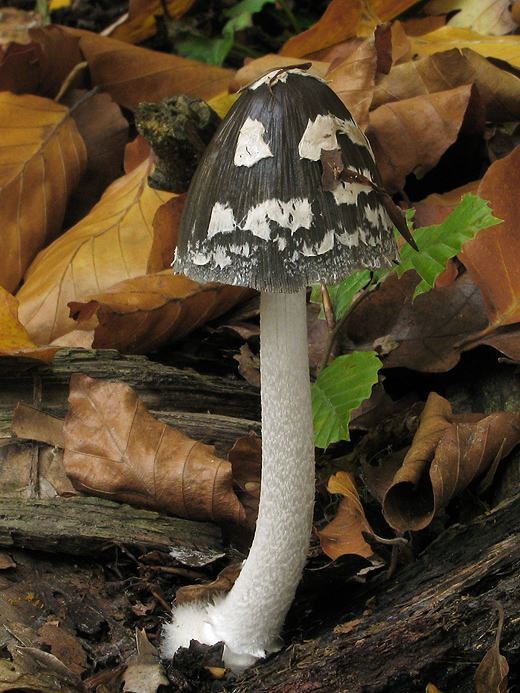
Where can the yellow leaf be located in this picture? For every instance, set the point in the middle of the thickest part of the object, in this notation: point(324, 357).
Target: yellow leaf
point(42, 158)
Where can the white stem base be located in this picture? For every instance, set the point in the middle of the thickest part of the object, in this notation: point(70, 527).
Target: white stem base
point(249, 619)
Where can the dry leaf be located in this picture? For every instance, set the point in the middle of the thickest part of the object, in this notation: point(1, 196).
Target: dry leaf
point(246, 461)
point(14, 340)
point(256, 68)
point(141, 22)
point(42, 157)
point(116, 449)
point(491, 257)
point(109, 245)
point(410, 136)
point(498, 88)
point(41, 65)
point(445, 456)
point(485, 16)
point(34, 424)
point(131, 74)
point(204, 593)
point(344, 534)
point(491, 674)
point(338, 23)
point(142, 314)
point(144, 673)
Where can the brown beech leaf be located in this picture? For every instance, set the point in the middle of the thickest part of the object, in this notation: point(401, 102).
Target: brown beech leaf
point(445, 456)
point(42, 158)
point(246, 460)
point(139, 315)
point(498, 88)
point(484, 16)
point(491, 257)
point(491, 674)
point(423, 334)
point(14, 340)
point(131, 74)
point(338, 23)
point(344, 534)
point(410, 136)
point(116, 449)
point(111, 244)
point(41, 65)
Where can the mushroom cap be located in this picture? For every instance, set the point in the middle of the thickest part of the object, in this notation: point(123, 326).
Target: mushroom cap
point(259, 212)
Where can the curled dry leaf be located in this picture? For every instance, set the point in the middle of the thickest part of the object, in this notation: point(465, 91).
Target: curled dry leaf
point(445, 456)
point(111, 244)
point(344, 534)
point(142, 314)
point(246, 460)
point(491, 674)
point(116, 449)
point(42, 157)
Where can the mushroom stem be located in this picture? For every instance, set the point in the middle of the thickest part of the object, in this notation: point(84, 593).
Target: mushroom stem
point(248, 620)
point(251, 616)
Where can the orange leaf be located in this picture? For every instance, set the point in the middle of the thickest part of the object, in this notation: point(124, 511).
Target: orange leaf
point(142, 314)
point(141, 22)
point(14, 340)
point(42, 157)
point(344, 534)
point(109, 245)
point(444, 458)
point(411, 135)
point(491, 257)
point(131, 74)
point(339, 23)
point(116, 449)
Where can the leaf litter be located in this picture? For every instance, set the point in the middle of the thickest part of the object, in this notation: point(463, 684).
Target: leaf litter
point(393, 80)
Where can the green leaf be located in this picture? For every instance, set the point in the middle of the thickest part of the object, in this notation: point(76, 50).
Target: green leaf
point(437, 244)
point(340, 388)
point(246, 7)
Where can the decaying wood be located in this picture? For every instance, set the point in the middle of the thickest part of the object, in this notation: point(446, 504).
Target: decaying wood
point(84, 526)
point(432, 623)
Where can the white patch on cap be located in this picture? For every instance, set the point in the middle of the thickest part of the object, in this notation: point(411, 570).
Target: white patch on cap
point(222, 220)
point(347, 193)
point(292, 215)
point(324, 247)
point(199, 259)
point(349, 239)
point(377, 217)
point(251, 146)
point(242, 250)
point(321, 134)
point(221, 257)
point(271, 78)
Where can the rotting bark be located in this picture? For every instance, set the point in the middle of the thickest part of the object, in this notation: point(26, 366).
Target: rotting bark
point(432, 623)
point(160, 387)
point(84, 526)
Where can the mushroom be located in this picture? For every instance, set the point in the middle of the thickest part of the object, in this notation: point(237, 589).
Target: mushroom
point(287, 194)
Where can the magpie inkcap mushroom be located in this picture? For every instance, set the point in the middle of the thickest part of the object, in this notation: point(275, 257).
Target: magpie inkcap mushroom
point(258, 214)
point(286, 194)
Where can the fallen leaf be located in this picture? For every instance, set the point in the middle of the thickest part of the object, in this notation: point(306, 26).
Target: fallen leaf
point(491, 257)
point(115, 449)
point(142, 314)
point(131, 74)
point(498, 88)
point(491, 674)
point(61, 642)
point(41, 65)
point(110, 244)
point(445, 456)
point(246, 461)
point(410, 136)
point(339, 23)
point(256, 68)
point(43, 158)
point(420, 334)
point(204, 593)
point(344, 535)
point(34, 424)
point(14, 340)
point(141, 22)
point(145, 672)
point(505, 48)
point(485, 16)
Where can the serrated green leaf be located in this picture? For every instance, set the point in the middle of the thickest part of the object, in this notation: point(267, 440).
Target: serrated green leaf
point(437, 244)
point(340, 388)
